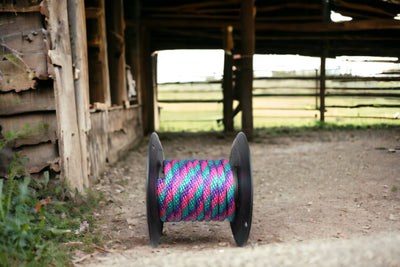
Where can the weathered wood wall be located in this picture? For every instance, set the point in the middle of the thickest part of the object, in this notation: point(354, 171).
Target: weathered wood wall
point(27, 102)
point(48, 80)
point(113, 133)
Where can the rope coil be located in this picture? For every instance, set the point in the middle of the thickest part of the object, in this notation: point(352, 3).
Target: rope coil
point(196, 190)
point(200, 190)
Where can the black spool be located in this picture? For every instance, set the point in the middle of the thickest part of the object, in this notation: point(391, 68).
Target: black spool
point(240, 162)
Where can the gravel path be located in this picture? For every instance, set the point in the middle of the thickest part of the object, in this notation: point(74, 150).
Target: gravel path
point(377, 250)
point(325, 198)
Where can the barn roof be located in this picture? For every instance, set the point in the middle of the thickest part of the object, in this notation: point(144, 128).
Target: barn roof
point(282, 26)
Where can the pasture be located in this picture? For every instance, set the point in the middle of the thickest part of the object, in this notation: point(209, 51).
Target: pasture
point(277, 103)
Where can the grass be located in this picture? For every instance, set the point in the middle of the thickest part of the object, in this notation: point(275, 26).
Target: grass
point(268, 112)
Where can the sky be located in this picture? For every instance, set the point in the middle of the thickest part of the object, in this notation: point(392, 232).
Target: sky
point(202, 65)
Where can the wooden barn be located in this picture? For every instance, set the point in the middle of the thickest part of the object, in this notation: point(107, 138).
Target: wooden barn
point(68, 68)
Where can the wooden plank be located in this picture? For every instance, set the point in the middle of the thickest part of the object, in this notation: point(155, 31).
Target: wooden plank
point(15, 77)
point(19, 8)
point(15, 24)
point(23, 47)
point(35, 128)
point(124, 131)
point(40, 157)
point(248, 45)
point(41, 99)
point(67, 128)
point(98, 144)
point(113, 133)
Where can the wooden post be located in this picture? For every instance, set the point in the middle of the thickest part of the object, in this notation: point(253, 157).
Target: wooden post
point(247, 17)
point(316, 89)
point(326, 18)
point(146, 82)
point(322, 86)
point(154, 88)
point(66, 107)
point(116, 50)
point(77, 19)
point(227, 85)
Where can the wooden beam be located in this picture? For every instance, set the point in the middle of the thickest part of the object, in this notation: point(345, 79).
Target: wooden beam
point(288, 5)
point(328, 37)
point(247, 16)
point(188, 32)
point(67, 118)
point(19, 9)
point(320, 27)
point(94, 12)
point(317, 27)
point(363, 8)
point(195, 16)
point(288, 18)
point(192, 6)
point(77, 22)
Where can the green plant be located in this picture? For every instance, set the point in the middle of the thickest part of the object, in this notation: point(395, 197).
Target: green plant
point(38, 216)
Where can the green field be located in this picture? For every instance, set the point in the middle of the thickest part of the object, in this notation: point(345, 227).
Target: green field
point(271, 111)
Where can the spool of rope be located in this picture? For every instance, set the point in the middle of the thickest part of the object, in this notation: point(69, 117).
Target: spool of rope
point(200, 190)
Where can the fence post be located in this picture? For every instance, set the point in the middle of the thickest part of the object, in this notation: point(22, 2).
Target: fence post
point(322, 85)
point(247, 17)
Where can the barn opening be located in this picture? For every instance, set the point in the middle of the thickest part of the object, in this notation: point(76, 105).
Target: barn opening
point(286, 90)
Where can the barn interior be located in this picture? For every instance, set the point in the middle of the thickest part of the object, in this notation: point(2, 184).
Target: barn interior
point(80, 53)
point(263, 27)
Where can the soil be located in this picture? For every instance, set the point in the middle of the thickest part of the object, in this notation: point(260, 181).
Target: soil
point(310, 188)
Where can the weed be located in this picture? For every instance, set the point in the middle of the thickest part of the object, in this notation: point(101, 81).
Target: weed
point(394, 188)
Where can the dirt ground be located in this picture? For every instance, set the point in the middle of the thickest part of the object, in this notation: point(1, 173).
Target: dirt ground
point(316, 186)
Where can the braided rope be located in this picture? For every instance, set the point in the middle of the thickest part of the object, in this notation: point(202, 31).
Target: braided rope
point(196, 190)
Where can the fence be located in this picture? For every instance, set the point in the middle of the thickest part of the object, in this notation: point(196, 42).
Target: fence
point(289, 97)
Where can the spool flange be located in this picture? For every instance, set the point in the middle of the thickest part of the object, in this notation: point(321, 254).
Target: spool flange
point(155, 158)
point(240, 161)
